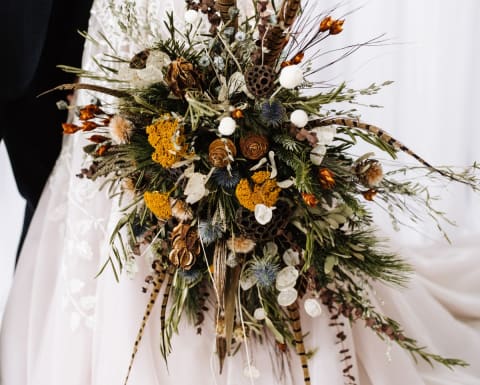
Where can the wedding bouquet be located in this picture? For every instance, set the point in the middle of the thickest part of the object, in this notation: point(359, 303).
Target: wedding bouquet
point(238, 177)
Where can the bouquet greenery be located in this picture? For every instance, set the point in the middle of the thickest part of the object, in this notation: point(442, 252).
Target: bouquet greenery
point(237, 175)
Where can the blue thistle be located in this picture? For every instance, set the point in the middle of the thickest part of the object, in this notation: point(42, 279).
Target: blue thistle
point(273, 113)
point(190, 276)
point(227, 179)
point(204, 61)
point(209, 232)
point(265, 271)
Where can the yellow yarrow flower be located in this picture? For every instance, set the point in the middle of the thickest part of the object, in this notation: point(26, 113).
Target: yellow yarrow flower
point(158, 203)
point(265, 191)
point(167, 138)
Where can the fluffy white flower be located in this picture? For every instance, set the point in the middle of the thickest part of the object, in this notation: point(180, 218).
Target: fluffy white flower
point(299, 118)
point(120, 129)
point(195, 188)
point(312, 307)
point(287, 297)
point(286, 278)
point(251, 371)
point(227, 126)
point(263, 214)
point(291, 257)
point(191, 16)
point(291, 76)
point(325, 134)
point(317, 154)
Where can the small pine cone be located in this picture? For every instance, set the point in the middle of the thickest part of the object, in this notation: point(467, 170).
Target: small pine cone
point(221, 152)
point(254, 146)
point(369, 172)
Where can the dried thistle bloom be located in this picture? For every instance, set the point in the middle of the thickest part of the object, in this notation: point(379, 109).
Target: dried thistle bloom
point(265, 272)
point(273, 113)
point(120, 129)
point(227, 179)
point(240, 244)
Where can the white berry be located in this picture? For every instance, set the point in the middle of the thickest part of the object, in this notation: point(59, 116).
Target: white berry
point(227, 126)
point(299, 118)
point(291, 76)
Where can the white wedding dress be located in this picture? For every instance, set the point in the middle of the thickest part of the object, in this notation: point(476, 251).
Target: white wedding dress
point(63, 326)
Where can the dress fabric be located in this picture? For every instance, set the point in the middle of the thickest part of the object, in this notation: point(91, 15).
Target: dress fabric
point(63, 326)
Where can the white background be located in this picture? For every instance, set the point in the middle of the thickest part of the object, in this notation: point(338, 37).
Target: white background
point(434, 57)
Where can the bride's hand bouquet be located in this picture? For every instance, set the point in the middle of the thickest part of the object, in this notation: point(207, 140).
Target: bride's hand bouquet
point(238, 177)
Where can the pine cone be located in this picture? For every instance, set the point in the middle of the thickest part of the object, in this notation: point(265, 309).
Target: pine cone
point(221, 152)
point(254, 146)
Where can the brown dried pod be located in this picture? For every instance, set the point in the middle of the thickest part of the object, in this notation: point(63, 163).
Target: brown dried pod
point(181, 75)
point(139, 61)
point(260, 80)
point(185, 246)
point(253, 146)
point(221, 152)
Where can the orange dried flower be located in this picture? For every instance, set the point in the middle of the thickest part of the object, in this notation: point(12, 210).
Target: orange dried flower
point(310, 199)
point(286, 63)
point(102, 149)
point(89, 126)
point(337, 27)
point(326, 178)
point(369, 195)
point(89, 112)
point(69, 128)
point(97, 138)
point(237, 113)
point(326, 24)
point(297, 59)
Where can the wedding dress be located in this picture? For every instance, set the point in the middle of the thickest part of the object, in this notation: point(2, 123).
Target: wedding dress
point(63, 326)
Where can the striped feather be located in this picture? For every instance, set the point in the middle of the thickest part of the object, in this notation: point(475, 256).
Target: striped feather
point(379, 133)
point(294, 315)
point(223, 6)
point(157, 285)
point(166, 295)
point(276, 38)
